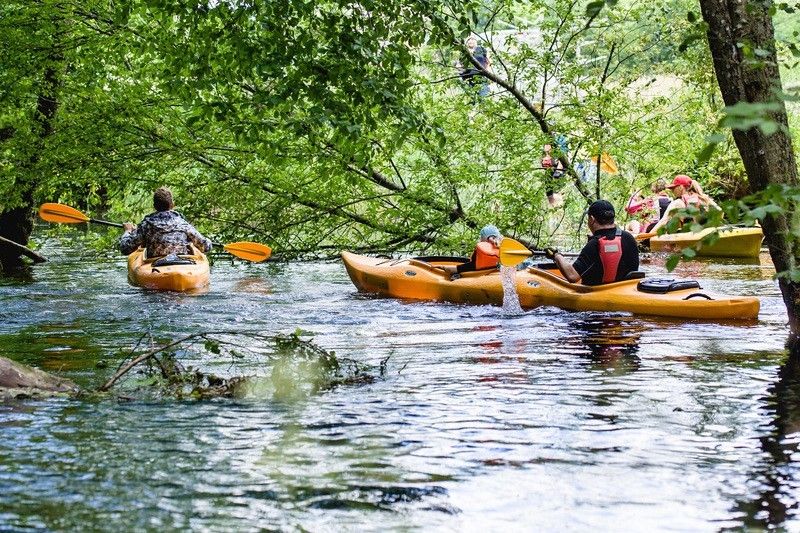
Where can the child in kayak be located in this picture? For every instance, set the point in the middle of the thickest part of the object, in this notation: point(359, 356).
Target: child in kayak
point(486, 255)
point(164, 232)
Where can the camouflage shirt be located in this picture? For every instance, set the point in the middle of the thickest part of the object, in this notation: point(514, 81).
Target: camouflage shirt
point(163, 233)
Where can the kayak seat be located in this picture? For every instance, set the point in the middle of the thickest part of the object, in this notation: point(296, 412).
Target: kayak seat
point(665, 285)
point(636, 274)
point(172, 259)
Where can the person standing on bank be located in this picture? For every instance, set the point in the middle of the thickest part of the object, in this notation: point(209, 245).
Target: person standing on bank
point(469, 73)
point(164, 232)
point(610, 255)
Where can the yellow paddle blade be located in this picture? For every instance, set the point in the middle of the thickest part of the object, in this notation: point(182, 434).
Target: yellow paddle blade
point(251, 251)
point(60, 213)
point(512, 252)
point(607, 163)
point(645, 236)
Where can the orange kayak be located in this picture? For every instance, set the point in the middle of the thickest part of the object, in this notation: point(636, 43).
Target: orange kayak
point(733, 242)
point(424, 280)
point(179, 277)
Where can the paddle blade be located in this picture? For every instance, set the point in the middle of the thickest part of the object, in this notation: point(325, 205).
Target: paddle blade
point(62, 214)
point(645, 236)
point(250, 251)
point(607, 164)
point(512, 252)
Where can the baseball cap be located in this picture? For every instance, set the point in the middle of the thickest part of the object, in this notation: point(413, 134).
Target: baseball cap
point(602, 209)
point(489, 231)
point(680, 179)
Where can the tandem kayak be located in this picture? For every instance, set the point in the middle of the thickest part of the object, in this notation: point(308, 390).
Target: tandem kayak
point(733, 242)
point(192, 272)
point(422, 279)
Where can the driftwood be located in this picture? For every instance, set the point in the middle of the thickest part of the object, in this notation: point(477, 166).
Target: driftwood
point(24, 250)
point(21, 381)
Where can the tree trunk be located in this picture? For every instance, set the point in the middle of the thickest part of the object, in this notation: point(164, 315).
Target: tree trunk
point(16, 224)
point(768, 159)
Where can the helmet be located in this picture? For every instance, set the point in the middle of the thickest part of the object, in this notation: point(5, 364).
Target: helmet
point(489, 231)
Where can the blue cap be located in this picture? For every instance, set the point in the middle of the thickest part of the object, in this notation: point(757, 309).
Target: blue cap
point(489, 231)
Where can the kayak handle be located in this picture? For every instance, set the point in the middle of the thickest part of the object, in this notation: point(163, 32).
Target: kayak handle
point(698, 295)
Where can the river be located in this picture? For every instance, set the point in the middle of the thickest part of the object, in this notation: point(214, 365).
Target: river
point(548, 420)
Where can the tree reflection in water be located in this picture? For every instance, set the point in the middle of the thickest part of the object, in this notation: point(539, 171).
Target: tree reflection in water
point(777, 499)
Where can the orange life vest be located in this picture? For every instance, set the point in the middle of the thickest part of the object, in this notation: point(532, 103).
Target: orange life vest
point(487, 255)
point(610, 255)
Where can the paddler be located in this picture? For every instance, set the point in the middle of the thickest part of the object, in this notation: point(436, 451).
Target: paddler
point(610, 255)
point(164, 232)
point(486, 255)
point(686, 193)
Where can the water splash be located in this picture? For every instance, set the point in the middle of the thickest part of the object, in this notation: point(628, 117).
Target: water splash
point(511, 306)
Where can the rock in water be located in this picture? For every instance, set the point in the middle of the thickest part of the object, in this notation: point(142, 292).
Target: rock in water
point(21, 381)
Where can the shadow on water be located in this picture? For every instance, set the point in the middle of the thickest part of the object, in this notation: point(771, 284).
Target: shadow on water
point(775, 500)
point(22, 273)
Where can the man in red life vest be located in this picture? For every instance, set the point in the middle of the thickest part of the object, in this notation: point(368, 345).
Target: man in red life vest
point(485, 256)
point(610, 255)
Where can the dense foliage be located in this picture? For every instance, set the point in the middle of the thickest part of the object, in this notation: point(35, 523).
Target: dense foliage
point(318, 126)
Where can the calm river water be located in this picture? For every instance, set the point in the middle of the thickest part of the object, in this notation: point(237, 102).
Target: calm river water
point(548, 420)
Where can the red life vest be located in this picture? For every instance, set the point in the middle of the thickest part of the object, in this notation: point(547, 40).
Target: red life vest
point(487, 255)
point(610, 255)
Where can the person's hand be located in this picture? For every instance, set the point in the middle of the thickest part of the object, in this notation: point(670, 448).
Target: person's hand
point(450, 269)
point(129, 226)
point(550, 253)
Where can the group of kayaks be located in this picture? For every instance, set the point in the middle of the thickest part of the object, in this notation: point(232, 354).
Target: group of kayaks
point(423, 278)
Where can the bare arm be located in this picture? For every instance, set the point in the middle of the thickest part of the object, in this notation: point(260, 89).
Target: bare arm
point(566, 268)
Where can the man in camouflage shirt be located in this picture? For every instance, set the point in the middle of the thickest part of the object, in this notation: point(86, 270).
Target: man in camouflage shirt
point(163, 232)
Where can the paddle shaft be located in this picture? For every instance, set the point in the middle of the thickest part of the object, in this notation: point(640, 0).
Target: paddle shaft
point(106, 223)
point(565, 254)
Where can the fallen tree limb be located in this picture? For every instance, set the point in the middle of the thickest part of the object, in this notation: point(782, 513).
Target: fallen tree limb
point(24, 250)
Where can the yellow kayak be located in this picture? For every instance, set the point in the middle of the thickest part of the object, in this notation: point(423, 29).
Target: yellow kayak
point(149, 274)
point(733, 242)
point(424, 280)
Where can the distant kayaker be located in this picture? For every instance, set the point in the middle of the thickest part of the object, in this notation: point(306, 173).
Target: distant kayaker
point(686, 193)
point(645, 212)
point(486, 255)
point(163, 232)
point(610, 255)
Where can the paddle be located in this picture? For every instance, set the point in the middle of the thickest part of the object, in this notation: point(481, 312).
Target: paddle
point(64, 214)
point(514, 252)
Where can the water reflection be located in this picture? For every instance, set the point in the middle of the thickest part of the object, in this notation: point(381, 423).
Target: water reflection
point(254, 285)
point(776, 500)
point(613, 342)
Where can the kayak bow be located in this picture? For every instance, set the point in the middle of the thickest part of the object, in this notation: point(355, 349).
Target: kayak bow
point(184, 277)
